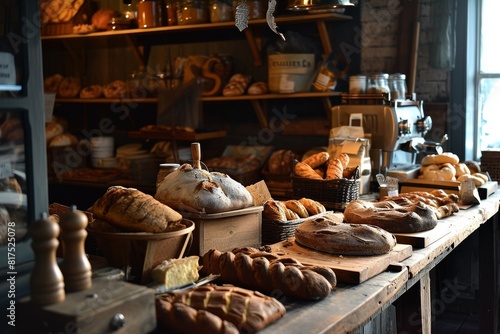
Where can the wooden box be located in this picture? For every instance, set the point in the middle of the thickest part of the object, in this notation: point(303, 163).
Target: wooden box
point(93, 311)
point(226, 230)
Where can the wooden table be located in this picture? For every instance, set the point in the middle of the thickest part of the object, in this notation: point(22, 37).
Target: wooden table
point(404, 291)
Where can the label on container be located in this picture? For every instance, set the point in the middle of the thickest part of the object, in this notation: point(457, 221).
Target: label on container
point(7, 69)
point(287, 69)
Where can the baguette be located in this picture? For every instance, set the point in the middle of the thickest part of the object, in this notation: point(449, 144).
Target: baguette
point(304, 170)
point(317, 160)
point(133, 210)
point(312, 206)
point(258, 272)
point(334, 169)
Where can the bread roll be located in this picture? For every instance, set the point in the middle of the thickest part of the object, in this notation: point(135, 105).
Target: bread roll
point(52, 129)
point(133, 210)
point(326, 235)
point(438, 159)
point(115, 89)
point(51, 84)
point(258, 88)
point(91, 92)
point(69, 87)
point(317, 159)
point(65, 139)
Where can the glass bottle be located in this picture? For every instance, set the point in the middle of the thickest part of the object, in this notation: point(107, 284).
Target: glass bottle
point(221, 11)
point(192, 12)
point(397, 84)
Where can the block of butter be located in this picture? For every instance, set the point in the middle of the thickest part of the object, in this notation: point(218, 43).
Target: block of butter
point(176, 272)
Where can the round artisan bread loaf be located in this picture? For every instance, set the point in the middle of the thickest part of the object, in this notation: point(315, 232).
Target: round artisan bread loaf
point(326, 235)
point(393, 217)
point(197, 190)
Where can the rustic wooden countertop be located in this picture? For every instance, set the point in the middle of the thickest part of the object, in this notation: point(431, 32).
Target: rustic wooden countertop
point(350, 307)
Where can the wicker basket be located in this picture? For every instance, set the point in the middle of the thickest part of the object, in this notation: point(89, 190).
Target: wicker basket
point(490, 162)
point(274, 232)
point(333, 194)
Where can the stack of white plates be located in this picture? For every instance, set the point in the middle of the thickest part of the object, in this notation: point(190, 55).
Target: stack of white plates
point(103, 151)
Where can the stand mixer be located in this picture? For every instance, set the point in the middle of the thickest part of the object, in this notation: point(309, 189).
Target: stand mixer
point(396, 132)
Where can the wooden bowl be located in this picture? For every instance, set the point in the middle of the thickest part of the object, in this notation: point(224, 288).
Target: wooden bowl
point(138, 253)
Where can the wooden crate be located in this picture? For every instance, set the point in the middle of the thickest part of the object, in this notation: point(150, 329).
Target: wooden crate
point(226, 230)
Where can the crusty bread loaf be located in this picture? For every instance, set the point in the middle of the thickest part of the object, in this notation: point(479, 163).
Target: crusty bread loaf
point(304, 170)
point(281, 162)
point(176, 272)
point(326, 235)
point(134, 210)
point(393, 217)
point(312, 206)
point(317, 159)
point(273, 211)
point(334, 169)
point(297, 207)
point(184, 319)
point(249, 311)
point(252, 269)
point(197, 190)
point(443, 204)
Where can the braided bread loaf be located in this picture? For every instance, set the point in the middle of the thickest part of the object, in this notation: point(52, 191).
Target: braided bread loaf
point(249, 311)
point(268, 273)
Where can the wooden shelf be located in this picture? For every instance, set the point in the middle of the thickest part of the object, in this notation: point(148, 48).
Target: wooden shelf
point(179, 136)
point(258, 102)
point(131, 37)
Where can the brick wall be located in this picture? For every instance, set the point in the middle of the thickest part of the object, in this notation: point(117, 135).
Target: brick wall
point(380, 24)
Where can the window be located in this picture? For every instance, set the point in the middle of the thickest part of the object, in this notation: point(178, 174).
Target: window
point(488, 76)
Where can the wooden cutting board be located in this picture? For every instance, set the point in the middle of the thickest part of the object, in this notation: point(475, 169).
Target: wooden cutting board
point(423, 239)
point(348, 269)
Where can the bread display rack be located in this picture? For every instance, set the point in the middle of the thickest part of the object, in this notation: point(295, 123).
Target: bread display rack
point(142, 40)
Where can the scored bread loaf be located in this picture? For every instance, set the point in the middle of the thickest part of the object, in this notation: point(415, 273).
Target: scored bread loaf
point(249, 311)
point(304, 170)
point(273, 211)
point(312, 206)
point(402, 217)
point(326, 235)
point(184, 319)
point(297, 207)
point(334, 169)
point(255, 270)
point(133, 210)
point(317, 159)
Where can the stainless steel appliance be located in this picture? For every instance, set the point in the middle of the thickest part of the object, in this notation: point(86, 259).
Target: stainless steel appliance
point(395, 131)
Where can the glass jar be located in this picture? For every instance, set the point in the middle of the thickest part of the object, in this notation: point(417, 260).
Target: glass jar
point(192, 12)
point(147, 14)
point(397, 84)
point(378, 84)
point(221, 11)
point(171, 12)
point(357, 84)
point(257, 8)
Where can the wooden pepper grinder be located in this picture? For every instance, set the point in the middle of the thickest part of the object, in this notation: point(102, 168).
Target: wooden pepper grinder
point(196, 155)
point(75, 266)
point(47, 282)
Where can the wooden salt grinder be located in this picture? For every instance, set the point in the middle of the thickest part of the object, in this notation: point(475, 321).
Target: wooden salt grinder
point(47, 282)
point(75, 266)
point(196, 155)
